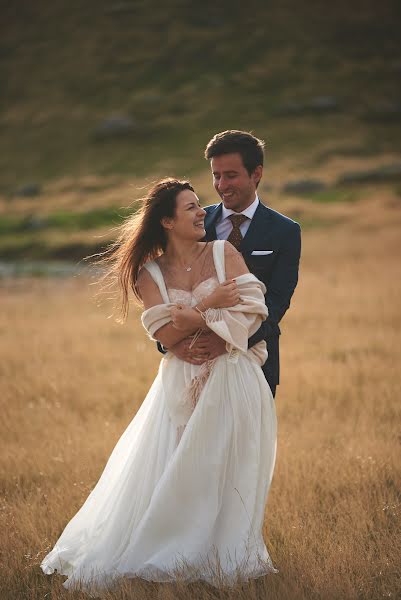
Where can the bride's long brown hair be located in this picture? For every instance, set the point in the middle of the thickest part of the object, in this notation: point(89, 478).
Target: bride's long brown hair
point(141, 238)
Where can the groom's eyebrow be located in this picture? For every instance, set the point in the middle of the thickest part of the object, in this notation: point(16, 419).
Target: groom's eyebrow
point(230, 172)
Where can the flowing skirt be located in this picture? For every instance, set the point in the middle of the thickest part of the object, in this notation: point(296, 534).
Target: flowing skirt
point(192, 503)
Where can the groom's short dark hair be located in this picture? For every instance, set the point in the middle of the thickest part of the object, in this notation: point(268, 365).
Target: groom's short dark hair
point(247, 145)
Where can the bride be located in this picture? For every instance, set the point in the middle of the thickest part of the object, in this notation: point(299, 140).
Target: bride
point(184, 490)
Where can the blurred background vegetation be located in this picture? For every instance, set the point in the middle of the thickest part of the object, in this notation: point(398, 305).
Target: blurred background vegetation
point(99, 98)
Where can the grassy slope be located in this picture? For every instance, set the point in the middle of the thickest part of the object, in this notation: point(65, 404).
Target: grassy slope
point(182, 72)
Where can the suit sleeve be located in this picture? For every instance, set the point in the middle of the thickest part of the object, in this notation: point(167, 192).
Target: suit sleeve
point(281, 287)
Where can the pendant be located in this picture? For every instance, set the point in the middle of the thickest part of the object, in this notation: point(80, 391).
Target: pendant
point(188, 269)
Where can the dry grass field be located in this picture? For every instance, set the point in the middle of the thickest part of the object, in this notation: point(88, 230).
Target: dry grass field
point(72, 379)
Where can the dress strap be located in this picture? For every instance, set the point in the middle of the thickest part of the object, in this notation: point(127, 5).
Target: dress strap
point(218, 258)
point(157, 276)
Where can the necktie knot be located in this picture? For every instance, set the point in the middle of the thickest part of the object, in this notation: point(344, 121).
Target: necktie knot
point(237, 220)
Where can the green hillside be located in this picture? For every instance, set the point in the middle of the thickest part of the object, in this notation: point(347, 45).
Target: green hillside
point(317, 80)
point(181, 70)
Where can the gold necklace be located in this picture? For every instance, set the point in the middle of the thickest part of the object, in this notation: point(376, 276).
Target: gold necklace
point(189, 267)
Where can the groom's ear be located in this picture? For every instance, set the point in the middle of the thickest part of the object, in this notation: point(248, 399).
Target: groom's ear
point(257, 174)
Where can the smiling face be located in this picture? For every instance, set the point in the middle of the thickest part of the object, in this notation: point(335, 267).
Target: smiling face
point(188, 221)
point(231, 180)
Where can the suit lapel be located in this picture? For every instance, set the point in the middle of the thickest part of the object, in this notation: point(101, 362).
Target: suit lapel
point(257, 229)
point(210, 222)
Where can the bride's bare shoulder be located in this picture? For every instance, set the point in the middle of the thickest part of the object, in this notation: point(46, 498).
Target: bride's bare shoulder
point(148, 288)
point(234, 262)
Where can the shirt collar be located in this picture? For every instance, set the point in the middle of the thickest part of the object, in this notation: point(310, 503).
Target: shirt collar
point(248, 212)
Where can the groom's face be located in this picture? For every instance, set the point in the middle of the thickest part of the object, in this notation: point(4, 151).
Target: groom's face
point(231, 180)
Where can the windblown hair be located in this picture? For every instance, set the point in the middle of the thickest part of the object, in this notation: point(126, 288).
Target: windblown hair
point(141, 238)
point(247, 145)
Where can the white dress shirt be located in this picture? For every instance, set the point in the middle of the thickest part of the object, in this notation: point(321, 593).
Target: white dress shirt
point(224, 225)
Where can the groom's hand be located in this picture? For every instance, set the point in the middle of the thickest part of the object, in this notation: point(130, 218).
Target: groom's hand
point(208, 347)
point(211, 345)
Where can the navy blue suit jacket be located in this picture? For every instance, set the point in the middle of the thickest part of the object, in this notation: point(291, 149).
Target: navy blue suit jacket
point(268, 230)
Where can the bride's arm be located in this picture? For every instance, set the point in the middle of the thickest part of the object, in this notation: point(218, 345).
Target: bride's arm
point(212, 346)
point(168, 334)
point(236, 323)
point(225, 295)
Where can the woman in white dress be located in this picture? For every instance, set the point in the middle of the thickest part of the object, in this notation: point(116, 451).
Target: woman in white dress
point(185, 488)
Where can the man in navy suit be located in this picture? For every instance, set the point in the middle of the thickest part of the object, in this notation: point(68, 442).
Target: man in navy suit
point(269, 241)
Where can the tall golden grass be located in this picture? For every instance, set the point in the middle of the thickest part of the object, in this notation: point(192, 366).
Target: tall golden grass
point(72, 379)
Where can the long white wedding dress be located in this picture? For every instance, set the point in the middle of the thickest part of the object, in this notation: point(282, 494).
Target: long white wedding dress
point(185, 488)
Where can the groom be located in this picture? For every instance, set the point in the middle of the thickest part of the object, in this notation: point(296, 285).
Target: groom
point(269, 242)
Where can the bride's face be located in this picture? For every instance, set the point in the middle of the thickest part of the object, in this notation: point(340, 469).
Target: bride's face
point(188, 221)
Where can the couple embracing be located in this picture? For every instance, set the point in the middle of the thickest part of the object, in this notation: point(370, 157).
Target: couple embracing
point(184, 490)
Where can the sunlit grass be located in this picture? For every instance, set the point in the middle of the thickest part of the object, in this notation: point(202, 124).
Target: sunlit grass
point(72, 380)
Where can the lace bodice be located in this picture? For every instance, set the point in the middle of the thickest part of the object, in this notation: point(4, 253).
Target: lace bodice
point(203, 289)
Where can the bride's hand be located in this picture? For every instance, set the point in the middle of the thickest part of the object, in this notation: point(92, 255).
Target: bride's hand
point(184, 317)
point(224, 296)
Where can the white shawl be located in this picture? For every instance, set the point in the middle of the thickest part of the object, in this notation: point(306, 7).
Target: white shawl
point(234, 324)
